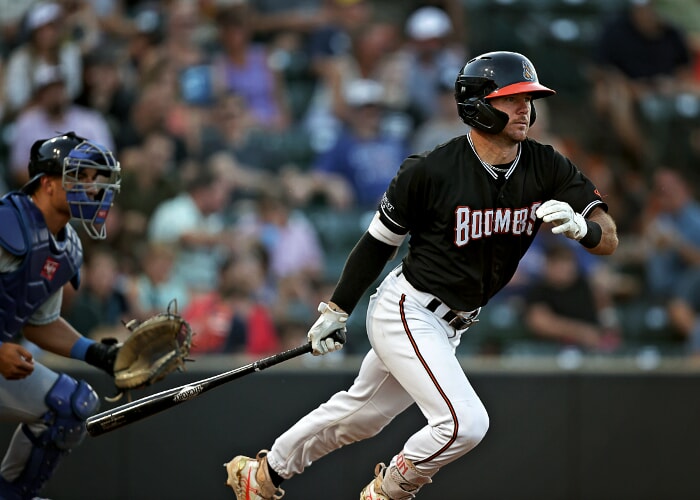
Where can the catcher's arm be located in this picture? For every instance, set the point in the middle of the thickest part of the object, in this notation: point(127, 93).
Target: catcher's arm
point(99, 354)
point(59, 337)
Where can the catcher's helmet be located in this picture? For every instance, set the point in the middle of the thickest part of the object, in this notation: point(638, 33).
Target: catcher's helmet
point(47, 155)
point(495, 74)
point(67, 156)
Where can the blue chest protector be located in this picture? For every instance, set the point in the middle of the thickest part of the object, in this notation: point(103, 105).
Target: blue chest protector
point(46, 264)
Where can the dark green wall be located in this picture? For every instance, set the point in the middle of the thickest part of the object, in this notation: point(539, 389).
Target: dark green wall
point(585, 435)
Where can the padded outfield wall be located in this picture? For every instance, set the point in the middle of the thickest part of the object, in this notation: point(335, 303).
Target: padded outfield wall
point(606, 430)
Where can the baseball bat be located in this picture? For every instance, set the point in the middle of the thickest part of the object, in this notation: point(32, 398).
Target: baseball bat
point(134, 411)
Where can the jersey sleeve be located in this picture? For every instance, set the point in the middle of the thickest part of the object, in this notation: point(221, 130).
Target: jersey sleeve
point(49, 310)
point(403, 205)
point(573, 187)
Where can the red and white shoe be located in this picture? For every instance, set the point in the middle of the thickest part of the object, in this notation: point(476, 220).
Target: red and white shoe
point(250, 478)
point(373, 491)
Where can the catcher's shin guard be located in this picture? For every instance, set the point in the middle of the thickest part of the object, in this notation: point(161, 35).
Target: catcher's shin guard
point(70, 403)
point(250, 478)
point(400, 481)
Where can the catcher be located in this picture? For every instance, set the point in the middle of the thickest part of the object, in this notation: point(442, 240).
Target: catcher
point(71, 177)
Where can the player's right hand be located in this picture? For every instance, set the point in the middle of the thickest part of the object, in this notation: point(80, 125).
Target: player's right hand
point(321, 333)
point(16, 362)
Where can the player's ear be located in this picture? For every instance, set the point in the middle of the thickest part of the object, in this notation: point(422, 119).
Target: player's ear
point(46, 183)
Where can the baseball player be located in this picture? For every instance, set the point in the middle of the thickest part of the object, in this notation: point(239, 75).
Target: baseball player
point(70, 177)
point(472, 207)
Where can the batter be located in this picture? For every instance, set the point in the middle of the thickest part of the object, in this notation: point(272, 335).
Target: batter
point(471, 208)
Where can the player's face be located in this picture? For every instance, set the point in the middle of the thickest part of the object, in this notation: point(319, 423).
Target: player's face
point(518, 108)
point(87, 178)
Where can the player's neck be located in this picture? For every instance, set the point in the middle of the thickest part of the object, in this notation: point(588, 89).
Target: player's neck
point(493, 149)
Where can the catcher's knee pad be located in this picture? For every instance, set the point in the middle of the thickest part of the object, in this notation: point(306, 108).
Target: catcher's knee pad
point(70, 403)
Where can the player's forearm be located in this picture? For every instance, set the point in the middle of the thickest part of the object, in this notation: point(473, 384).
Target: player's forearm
point(546, 324)
point(57, 337)
point(608, 241)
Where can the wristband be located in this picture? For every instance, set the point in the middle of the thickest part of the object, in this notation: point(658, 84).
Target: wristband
point(593, 235)
point(80, 348)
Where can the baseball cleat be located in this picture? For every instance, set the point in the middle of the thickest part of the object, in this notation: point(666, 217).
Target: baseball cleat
point(373, 491)
point(250, 478)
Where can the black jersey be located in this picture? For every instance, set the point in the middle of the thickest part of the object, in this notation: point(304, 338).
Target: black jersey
point(467, 230)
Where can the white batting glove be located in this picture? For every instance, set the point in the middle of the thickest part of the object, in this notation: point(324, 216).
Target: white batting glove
point(326, 325)
point(565, 220)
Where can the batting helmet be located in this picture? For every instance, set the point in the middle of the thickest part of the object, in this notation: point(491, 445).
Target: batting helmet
point(495, 74)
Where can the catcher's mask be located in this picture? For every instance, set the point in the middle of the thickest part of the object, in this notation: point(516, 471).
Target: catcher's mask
point(90, 176)
point(495, 74)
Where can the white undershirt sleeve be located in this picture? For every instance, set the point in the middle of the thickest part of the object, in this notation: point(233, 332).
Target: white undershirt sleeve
point(382, 233)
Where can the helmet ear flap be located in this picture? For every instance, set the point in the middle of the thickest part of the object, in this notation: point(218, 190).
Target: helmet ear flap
point(477, 113)
point(533, 113)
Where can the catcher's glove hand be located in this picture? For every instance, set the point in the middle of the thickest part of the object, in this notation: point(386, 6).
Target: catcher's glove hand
point(155, 348)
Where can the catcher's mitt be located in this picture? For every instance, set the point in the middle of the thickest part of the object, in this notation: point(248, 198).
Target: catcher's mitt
point(155, 348)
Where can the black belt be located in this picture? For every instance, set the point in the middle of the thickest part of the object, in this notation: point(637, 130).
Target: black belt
point(453, 319)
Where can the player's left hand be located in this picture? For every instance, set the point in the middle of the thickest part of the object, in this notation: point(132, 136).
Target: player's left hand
point(321, 333)
point(563, 218)
point(102, 354)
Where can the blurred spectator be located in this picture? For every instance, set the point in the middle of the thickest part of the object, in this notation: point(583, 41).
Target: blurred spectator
point(47, 46)
point(157, 108)
point(329, 47)
point(183, 42)
point(445, 122)
point(232, 318)
point(149, 177)
point(292, 331)
point(257, 150)
point(275, 18)
point(115, 24)
point(375, 56)
point(104, 89)
point(101, 304)
point(561, 306)
point(427, 54)
point(11, 23)
point(144, 44)
point(356, 170)
point(642, 62)
point(154, 287)
point(54, 112)
point(82, 24)
point(672, 234)
point(684, 309)
point(193, 223)
point(288, 237)
point(244, 67)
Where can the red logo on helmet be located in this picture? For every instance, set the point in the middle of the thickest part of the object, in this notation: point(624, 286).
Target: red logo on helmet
point(50, 268)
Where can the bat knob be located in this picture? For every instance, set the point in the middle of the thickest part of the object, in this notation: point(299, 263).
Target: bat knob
point(340, 335)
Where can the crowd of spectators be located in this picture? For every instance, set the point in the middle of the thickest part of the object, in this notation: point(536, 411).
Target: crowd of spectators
point(255, 137)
